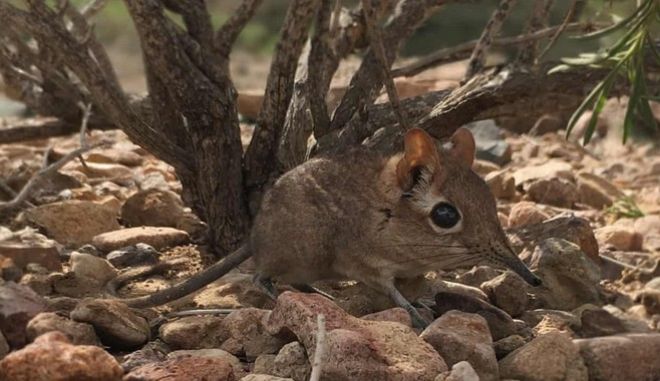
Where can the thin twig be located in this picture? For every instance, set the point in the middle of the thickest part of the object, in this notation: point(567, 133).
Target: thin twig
point(527, 53)
point(493, 26)
point(560, 30)
point(319, 352)
point(229, 31)
point(462, 50)
point(376, 39)
point(25, 193)
point(87, 112)
point(92, 8)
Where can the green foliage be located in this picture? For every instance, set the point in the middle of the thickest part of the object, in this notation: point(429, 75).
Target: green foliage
point(626, 59)
point(624, 207)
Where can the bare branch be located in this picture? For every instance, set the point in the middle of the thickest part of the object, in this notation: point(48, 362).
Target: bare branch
point(94, 7)
point(260, 157)
point(564, 26)
point(463, 50)
point(368, 80)
point(539, 19)
point(42, 174)
point(307, 106)
point(491, 29)
point(229, 31)
point(378, 48)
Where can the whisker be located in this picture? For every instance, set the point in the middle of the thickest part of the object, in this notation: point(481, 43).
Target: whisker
point(443, 255)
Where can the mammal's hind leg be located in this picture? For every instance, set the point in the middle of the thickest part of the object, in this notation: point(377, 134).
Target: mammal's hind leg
point(265, 285)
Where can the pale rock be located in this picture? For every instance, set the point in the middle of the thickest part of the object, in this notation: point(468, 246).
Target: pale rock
point(184, 369)
point(73, 223)
point(596, 321)
point(264, 364)
point(551, 357)
point(247, 334)
point(292, 362)
point(478, 275)
point(238, 368)
point(483, 167)
point(622, 238)
point(397, 314)
point(500, 323)
point(113, 321)
point(194, 332)
point(630, 357)
point(526, 213)
point(97, 170)
point(554, 191)
point(355, 348)
point(596, 191)
point(549, 169)
point(573, 229)
point(461, 371)
point(157, 237)
point(649, 228)
point(264, 377)
point(152, 207)
point(508, 291)
point(460, 336)
point(77, 333)
point(501, 184)
point(27, 246)
point(92, 268)
point(503, 347)
point(153, 351)
point(18, 305)
point(115, 155)
point(51, 357)
point(569, 277)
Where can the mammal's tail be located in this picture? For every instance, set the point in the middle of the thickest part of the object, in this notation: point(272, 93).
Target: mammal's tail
point(193, 284)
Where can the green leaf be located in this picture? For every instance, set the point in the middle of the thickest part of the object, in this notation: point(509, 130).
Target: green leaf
point(621, 24)
point(629, 118)
point(598, 108)
point(559, 69)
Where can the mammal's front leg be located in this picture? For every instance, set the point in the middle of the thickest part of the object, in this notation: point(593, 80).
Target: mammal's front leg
point(417, 319)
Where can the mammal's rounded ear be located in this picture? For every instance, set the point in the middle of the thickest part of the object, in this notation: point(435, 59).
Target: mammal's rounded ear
point(420, 151)
point(463, 146)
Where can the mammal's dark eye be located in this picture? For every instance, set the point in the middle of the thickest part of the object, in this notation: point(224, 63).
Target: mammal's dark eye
point(445, 215)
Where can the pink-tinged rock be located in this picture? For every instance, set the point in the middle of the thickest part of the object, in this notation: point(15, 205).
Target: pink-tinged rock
point(194, 332)
point(77, 333)
point(552, 356)
point(114, 322)
point(152, 207)
point(22, 254)
point(460, 336)
point(623, 238)
point(73, 222)
point(397, 315)
point(18, 304)
point(355, 349)
point(51, 357)
point(157, 237)
point(247, 334)
point(630, 357)
point(184, 369)
point(526, 213)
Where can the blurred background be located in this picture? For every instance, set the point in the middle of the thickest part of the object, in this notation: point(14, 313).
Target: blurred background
point(456, 23)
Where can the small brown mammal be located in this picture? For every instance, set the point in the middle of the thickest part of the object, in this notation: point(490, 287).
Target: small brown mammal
point(371, 218)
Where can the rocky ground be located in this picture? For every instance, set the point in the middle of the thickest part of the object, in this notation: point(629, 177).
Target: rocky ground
point(586, 220)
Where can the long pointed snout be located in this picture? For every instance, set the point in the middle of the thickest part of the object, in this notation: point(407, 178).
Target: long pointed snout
point(514, 263)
